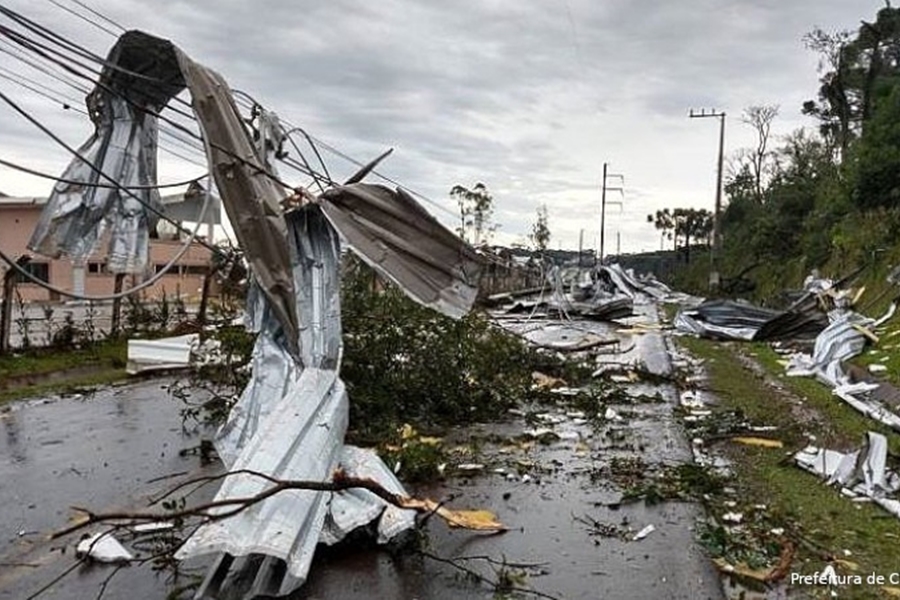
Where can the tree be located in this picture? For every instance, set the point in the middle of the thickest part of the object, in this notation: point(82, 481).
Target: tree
point(540, 232)
point(875, 169)
point(833, 107)
point(664, 221)
point(687, 223)
point(860, 67)
point(692, 223)
point(760, 118)
point(476, 209)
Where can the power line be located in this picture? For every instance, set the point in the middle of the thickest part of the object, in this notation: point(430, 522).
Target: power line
point(91, 165)
point(383, 177)
point(41, 174)
point(306, 168)
point(69, 103)
point(259, 169)
point(98, 14)
point(82, 17)
point(22, 83)
point(247, 100)
point(17, 53)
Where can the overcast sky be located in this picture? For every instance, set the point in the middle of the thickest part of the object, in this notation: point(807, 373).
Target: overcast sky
point(530, 97)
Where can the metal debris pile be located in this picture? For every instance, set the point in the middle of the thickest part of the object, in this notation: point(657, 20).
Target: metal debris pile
point(602, 293)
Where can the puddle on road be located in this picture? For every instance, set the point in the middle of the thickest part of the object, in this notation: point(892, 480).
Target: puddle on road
point(98, 450)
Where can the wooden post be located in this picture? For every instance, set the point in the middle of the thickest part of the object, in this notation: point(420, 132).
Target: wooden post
point(9, 286)
point(9, 279)
point(117, 304)
point(204, 295)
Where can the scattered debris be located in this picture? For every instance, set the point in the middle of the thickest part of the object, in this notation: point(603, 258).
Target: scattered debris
point(161, 354)
point(860, 474)
point(757, 441)
point(644, 533)
point(104, 548)
point(148, 528)
point(845, 338)
point(733, 320)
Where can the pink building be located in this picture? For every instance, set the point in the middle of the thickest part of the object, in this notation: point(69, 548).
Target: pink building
point(18, 217)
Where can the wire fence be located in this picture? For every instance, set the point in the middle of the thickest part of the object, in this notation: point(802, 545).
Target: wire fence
point(75, 324)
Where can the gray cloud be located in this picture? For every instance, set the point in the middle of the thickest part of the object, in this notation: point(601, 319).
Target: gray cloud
point(530, 97)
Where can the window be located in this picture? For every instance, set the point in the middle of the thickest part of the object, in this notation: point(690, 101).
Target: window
point(97, 268)
point(41, 270)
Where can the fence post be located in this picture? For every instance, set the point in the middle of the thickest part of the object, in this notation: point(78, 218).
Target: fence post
point(117, 303)
point(204, 295)
point(9, 286)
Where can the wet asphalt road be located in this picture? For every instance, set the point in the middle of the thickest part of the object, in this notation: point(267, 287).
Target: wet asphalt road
point(101, 451)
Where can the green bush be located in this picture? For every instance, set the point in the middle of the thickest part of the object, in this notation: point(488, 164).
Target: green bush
point(406, 363)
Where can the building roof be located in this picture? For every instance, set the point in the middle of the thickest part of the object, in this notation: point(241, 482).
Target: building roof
point(178, 207)
point(21, 200)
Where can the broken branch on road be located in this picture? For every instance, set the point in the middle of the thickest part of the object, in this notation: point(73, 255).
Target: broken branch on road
point(213, 511)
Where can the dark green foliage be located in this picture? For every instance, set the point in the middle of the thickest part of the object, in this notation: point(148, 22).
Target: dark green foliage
point(405, 363)
point(402, 363)
point(832, 199)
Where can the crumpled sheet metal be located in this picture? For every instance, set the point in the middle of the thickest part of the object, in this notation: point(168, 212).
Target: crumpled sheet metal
point(251, 198)
point(393, 234)
point(724, 319)
point(123, 148)
point(860, 473)
point(300, 439)
point(734, 320)
point(357, 507)
point(589, 298)
point(628, 284)
point(290, 420)
point(290, 423)
point(837, 343)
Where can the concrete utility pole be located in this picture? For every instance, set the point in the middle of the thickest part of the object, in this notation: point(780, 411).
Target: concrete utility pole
point(604, 189)
point(717, 218)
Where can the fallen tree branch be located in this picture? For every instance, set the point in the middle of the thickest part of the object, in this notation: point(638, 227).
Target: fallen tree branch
point(218, 510)
point(238, 505)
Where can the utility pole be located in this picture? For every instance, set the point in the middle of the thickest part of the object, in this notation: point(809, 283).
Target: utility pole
point(717, 218)
point(604, 189)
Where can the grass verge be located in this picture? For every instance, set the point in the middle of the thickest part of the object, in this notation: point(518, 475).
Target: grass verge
point(41, 372)
point(822, 524)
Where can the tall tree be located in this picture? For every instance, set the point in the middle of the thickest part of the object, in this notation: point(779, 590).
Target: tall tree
point(665, 223)
point(692, 223)
point(476, 211)
point(760, 118)
point(833, 108)
point(540, 231)
point(856, 68)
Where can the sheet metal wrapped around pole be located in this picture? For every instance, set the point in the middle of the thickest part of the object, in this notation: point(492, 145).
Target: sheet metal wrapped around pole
point(250, 197)
point(140, 77)
point(290, 420)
